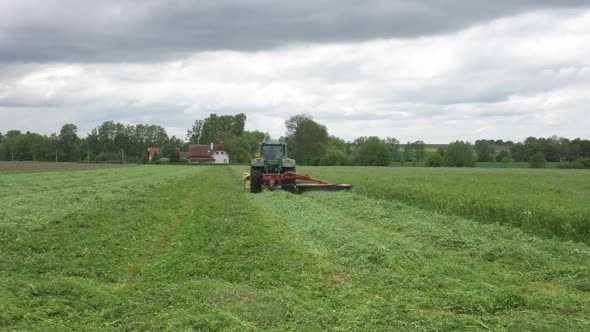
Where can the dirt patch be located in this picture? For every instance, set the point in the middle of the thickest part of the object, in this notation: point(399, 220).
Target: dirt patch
point(33, 166)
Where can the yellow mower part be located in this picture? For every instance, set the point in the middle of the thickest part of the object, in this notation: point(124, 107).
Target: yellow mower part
point(246, 178)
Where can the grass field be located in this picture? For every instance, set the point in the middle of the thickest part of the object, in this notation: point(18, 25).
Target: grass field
point(185, 248)
point(512, 164)
point(550, 203)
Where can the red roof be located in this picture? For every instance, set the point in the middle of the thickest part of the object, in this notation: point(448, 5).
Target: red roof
point(152, 151)
point(198, 151)
point(203, 150)
point(201, 158)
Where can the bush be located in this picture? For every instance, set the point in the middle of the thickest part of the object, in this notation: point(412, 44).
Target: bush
point(506, 161)
point(537, 160)
point(132, 160)
point(459, 154)
point(334, 157)
point(503, 155)
point(174, 156)
point(580, 163)
point(373, 152)
point(435, 160)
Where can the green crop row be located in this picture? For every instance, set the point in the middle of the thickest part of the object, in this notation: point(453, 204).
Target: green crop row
point(549, 203)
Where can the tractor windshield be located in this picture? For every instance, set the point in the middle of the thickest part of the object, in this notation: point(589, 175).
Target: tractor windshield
point(272, 152)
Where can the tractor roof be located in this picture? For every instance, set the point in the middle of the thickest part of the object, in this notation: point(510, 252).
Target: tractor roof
point(273, 142)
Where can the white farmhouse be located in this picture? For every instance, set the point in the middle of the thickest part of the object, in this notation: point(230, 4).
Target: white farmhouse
point(202, 153)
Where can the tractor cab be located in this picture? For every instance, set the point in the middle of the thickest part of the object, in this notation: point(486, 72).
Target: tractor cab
point(271, 157)
point(273, 152)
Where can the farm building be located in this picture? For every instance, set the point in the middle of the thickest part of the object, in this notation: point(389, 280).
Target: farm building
point(202, 153)
point(152, 151)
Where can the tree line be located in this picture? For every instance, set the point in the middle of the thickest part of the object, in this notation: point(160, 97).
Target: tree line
point(110, 141)
point(308, 141)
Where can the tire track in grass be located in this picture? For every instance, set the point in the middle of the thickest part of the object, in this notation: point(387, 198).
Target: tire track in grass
point(88, 174)
point(161, 244)
point(401, 269)
point(37, 208)
point(69, 272)
point(232, 265)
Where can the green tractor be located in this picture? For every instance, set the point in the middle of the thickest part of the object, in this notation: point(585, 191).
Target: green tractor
point(271, 158)
point(272, 168)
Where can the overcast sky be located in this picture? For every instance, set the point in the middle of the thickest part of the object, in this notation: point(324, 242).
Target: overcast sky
point(435, 70)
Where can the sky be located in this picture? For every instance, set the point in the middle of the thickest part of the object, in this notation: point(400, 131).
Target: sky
point(433, 70)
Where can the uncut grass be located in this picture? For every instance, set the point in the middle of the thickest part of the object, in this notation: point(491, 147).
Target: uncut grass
point(549, 203)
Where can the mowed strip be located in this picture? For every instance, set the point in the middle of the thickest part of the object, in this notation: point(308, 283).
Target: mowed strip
point(187, 249)
point(64, 251)
point(404, 268)
point(231, 266)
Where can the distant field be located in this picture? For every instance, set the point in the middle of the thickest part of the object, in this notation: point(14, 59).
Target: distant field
point(31, 165)
point(482, 164)
point(513, 165)
point(180, 248)
point(435, 147)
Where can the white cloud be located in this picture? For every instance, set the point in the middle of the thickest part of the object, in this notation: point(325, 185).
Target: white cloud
point(510, 78)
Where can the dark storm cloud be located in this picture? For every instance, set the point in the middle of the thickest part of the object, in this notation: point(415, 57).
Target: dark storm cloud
point(106, 31)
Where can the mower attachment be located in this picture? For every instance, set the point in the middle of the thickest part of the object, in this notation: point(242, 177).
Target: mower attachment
point(271, 180)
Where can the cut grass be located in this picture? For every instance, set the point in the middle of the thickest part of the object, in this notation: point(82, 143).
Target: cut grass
point(408, 268)
point(185, 248)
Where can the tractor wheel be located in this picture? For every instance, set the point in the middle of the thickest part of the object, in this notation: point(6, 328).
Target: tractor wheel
point(289, 185)
point(255, 180)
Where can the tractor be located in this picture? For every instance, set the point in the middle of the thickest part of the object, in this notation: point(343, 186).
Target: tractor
point(271, 168)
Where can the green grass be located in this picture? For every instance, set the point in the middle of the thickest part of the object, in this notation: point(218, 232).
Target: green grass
point(549, 203)
point(514, 164)
point(551, 165)
point(185, 248)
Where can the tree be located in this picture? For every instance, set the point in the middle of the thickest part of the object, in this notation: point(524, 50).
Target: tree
point(395, 147)
point(408, 152)
point(170, 148)
point(373, 152)
point(537, 160)
point(174, 156)
point(502, 155)
point(193, 135)
point(69, 141)
point(419, 148)
point(217, 129)
point(307, 139)
point(519, 152)
point(459, 154)
point(435, 160)
point(334, 157)
point(485, 150)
